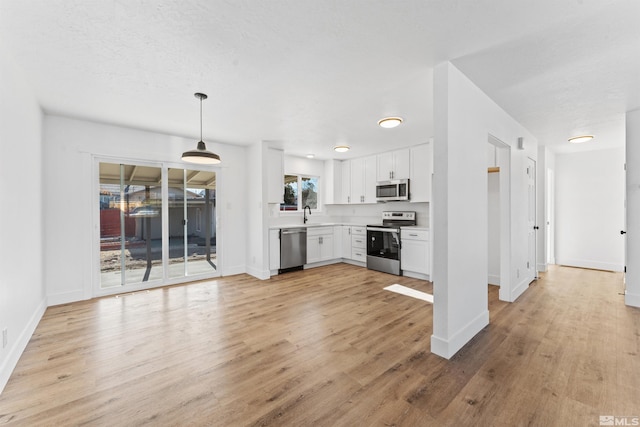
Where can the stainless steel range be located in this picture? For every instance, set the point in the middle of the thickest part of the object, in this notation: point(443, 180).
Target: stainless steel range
point(383, 241)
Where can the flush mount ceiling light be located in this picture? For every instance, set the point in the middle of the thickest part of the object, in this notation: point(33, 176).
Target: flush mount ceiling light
point(341, 148)
point(201, 155)
point(581, 138)
point(390, 122)
point(310, 156)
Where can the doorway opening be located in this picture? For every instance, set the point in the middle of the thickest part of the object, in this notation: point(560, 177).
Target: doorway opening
point(498, 216)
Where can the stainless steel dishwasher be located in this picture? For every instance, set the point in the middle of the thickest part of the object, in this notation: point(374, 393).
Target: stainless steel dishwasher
point(293, 248)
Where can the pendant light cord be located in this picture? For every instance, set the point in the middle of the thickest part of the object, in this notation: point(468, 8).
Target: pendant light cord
point(200, 118)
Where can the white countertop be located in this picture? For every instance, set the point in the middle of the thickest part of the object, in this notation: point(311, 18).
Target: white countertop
point(330, 224)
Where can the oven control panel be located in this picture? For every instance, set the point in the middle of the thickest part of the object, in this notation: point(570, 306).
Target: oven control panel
point(395, 215)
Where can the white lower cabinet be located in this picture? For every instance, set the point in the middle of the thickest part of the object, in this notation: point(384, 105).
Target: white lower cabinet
point(319, 244)
point(337, 241)
point(346, 241)
point(274, 249)
point(359, 243)
point(354, 243)
point(414, 255)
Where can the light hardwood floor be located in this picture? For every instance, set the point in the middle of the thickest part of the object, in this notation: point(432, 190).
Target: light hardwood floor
point(329, 347)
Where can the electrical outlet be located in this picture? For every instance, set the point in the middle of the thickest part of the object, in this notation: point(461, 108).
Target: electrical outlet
point(5, 337)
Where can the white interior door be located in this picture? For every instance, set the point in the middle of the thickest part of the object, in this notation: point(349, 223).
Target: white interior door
point(531, 219)
point(550, 220)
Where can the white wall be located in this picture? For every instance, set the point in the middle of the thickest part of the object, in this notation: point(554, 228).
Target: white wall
point(465, 118)
point(257, 237)
point(590, 209)
point(69, 201)
point(632, 296)
point(22, 294)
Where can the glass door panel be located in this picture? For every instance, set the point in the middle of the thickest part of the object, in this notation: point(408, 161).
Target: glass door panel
point(201, 227)
point(130, 224)
point(192, 228)
point(177, 265)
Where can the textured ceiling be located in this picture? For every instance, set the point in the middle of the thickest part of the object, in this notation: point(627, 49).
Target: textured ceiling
point(309, 74)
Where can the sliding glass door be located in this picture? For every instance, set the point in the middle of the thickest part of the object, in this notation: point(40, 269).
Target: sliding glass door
point(156, 224)
point(192, 227)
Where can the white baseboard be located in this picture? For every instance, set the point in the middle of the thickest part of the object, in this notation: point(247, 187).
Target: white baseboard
point(494, 279)
point(415, 275)
point(519, 289)
point(542, 267)
point(596, 265)
point(65, 297)
point(15, 351)
point(447, 348)
point(632, 300)
point(232, 271)
point(259, 274)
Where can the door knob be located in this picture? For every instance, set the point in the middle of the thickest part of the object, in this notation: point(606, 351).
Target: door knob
point(535, 227)
point(623, 232)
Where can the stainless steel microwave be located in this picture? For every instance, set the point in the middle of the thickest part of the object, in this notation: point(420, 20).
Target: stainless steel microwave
point(392, 191)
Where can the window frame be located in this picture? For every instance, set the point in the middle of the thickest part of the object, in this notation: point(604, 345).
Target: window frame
point(300, 206)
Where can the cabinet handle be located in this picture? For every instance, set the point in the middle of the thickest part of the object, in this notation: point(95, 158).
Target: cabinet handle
point(320, 240)
point(413, 235)
point(348, 199)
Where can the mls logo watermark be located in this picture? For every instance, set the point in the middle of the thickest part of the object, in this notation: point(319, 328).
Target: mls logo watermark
point(612, 420)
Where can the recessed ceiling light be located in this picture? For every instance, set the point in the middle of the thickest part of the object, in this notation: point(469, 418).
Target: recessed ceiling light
point(310, 156)
point(390, 122)
point(341, 148)
point(581, 138)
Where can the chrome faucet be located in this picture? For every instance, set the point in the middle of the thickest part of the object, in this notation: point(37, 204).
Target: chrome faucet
point(305, 213)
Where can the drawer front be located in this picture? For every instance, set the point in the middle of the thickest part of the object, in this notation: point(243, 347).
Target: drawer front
point(358, 242)
point(319, 231)
point(358, 254)
point(359, 230)
point(414, 234)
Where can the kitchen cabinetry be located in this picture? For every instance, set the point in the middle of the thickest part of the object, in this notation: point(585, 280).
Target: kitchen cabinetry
point(421, 173)
point(414, 255)
point(393, 165)
point(332, 181)
point(354, 243)
point(345, 182)
point(363, 180)
point(274, 250)
point(275, 175)
point(319, 244)
point(337, 241)
point(359, 243)
point(346, 241)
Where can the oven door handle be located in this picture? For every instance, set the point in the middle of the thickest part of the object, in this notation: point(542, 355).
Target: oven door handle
point(385, 230)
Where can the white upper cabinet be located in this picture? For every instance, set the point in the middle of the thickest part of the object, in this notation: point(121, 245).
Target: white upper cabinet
point(345, 182)
point(363, 180)
point(394, 165)
point(332, 181)
point(421, 173)
point(275, 175)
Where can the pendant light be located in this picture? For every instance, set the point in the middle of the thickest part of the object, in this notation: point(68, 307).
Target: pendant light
point(201, 155)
